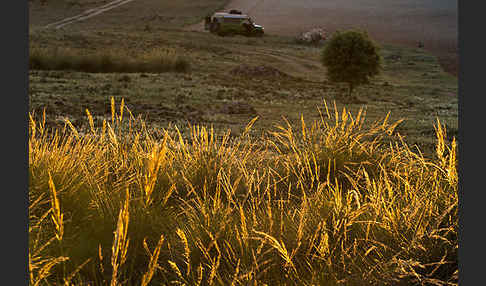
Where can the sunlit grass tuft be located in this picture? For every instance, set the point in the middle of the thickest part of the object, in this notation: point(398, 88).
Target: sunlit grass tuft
point(329, 203)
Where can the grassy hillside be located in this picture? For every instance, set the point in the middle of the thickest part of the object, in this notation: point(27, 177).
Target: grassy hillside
point(224, 86)
point(244, 167)
point(136, 14)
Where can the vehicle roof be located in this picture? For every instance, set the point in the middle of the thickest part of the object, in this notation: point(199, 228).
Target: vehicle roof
point(228, 15)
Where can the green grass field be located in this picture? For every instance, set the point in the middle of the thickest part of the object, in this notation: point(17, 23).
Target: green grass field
point(159, 156)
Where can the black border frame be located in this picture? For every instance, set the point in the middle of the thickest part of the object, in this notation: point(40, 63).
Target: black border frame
point(15, 84)
point(471, 86)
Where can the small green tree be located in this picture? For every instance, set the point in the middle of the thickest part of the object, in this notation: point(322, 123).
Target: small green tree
point(351, 57)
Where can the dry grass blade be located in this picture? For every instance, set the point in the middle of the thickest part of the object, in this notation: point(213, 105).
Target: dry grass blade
point(235, 277)
point(187, 252)
point(199, 274)
point(67, 280)
point(156, 160)
point(120, 241)
point(122, 105)
point(249, 126)
point(56, 215)
point(153, 262)
point(279, 246)
point(244, 229)
point(100, 257)
point(45, 269)
point(215, 263)
point(176, 269)
point(91, 122)
point(73, 129)
point(112, 111)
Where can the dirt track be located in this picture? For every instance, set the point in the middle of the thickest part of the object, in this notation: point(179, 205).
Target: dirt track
point(87, 14)
point(403, 22)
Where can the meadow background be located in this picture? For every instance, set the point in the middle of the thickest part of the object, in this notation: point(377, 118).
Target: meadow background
point(159, 155)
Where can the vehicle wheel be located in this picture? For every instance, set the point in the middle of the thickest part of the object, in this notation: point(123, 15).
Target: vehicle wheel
point(214, 27)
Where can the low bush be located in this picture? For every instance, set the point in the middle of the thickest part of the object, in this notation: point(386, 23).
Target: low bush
point(155, 61)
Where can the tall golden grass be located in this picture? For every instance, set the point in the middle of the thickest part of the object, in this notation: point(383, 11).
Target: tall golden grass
point(327, 203)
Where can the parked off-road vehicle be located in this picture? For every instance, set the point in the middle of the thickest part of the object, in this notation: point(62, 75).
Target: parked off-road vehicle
point(233, 23)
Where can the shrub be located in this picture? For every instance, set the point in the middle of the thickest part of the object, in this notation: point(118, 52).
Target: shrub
point(156, 61)
point(351, 57)
point(313, 36)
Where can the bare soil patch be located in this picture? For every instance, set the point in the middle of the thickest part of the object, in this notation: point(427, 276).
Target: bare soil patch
point(88, 14)
point(237, 107)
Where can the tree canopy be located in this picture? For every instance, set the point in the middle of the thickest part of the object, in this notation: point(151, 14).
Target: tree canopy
point(351, 57)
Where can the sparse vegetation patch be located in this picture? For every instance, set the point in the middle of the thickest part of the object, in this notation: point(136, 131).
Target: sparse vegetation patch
point(108, 61)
